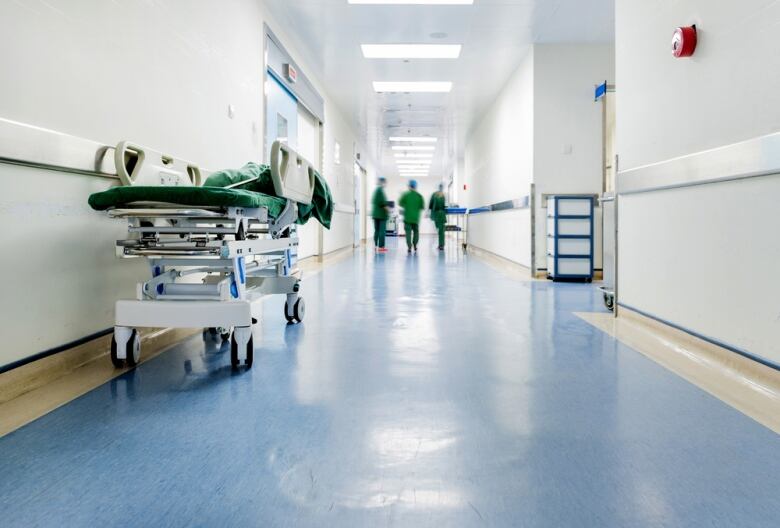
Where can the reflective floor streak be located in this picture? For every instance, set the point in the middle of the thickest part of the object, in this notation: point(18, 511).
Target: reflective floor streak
point(420, 391)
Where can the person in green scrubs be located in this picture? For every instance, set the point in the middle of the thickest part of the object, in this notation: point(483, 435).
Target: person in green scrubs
point(438, 207)
point(380, 214)
point(412, 204)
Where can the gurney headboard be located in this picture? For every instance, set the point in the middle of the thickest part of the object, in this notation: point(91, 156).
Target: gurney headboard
point(292, 175)
point(137, 165)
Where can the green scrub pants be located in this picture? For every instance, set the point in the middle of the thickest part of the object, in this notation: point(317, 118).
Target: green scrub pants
point(441, 228)
point(380, 226)
point(412, 234)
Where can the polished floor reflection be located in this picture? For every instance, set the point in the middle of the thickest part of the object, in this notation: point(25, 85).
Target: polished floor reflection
point(423, 390)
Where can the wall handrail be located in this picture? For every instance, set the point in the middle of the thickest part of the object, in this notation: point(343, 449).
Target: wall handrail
point(507, 205)
point(746, 159)
point(37, 147)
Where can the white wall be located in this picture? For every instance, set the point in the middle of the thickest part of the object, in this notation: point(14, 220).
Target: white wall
point(568, 127)
point(545, 128)
point(703, 257)
point(161, 74)
point(727, 92)
point(498, 166)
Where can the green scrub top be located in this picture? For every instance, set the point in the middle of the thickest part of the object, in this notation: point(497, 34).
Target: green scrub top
point(379, 204)
point(412, 203)
point(438, 207)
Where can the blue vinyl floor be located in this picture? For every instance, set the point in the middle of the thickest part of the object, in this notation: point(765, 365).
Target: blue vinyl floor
point(420, 391)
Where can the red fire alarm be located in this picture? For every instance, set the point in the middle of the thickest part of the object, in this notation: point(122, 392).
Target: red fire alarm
point(684, 41)
point(465, 187)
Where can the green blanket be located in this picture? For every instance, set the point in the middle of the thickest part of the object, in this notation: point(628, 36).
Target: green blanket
point(258, 193)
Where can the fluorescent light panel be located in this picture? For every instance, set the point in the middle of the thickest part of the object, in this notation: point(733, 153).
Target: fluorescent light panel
point(411, 2)
point(412, 86)
point(411, 51)
point(400, 156)
point(425, 139)
point(413, 148)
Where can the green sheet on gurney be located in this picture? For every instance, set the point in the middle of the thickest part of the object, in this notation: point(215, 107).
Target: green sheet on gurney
point(257, 193)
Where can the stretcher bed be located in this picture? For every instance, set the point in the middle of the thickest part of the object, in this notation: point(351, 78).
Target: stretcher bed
point(214, 250)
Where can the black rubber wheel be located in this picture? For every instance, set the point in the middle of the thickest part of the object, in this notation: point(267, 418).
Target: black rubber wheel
point(130, 350)
point(250, 353)
point(212, 331)
point(225, 336)
point(290, 318)
point(118, 363)
point(609, 302)
point(299, 310)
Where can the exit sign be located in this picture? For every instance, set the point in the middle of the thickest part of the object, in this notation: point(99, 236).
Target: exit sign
point(290, 73)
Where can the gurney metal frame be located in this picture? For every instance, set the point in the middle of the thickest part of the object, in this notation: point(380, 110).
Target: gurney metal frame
point(209, 265)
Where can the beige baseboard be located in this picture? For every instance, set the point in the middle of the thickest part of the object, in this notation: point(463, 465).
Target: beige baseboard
point(744, 384)
point(325, 258)
point(43, 371)
point(503, 264)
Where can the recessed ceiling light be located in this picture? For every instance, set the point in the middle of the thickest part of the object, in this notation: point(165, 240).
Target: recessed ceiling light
point(416, 139)
point(398, 155)
point(412, 2)
point(412, 86)
point(413, 162)
point(413, 147)
point(411, 51)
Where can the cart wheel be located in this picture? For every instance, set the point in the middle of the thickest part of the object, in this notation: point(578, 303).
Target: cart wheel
point(224, 333)
point(609, 302)
point(250, 353)
point(118, 363)
point(289, 315)
point(133, 349)
point(299, 310)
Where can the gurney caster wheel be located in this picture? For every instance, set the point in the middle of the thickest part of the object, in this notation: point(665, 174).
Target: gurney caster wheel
point(297, 313)
point(299, 310)
point(132, 351)
point(250, 353)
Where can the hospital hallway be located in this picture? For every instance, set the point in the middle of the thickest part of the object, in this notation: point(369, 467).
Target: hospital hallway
point(422, 390)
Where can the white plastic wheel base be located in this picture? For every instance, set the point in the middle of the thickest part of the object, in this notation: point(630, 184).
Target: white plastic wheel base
point(242, 335)
point(122, 335)
point(289, 307)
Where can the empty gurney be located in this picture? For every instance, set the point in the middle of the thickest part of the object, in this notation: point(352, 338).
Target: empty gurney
point(214, 249)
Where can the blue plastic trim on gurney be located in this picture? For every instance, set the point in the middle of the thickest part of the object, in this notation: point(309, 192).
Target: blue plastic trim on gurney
point(478, 210)
point(456, 210)
point(744, 353)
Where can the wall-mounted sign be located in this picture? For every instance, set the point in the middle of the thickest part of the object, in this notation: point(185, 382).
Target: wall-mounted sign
point(290, 73)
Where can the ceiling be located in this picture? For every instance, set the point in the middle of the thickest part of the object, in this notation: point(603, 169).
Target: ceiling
point(495, 35)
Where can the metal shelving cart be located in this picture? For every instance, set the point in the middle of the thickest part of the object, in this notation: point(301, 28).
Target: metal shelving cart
point(570, 244)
